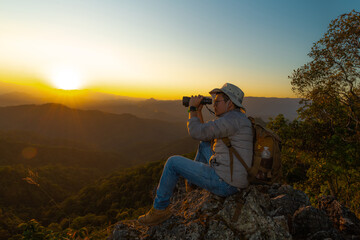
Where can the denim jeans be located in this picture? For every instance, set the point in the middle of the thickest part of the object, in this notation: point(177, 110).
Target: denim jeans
point(197, 171)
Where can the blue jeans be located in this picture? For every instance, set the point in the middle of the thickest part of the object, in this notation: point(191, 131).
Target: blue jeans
point(198, 172)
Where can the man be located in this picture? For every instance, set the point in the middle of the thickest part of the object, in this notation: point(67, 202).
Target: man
point(211, 168)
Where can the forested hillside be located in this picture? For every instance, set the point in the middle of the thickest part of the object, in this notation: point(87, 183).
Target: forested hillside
point(123, 134)
point(48, 153)
point(99, 130)
point(36, 155)
point(49, 196)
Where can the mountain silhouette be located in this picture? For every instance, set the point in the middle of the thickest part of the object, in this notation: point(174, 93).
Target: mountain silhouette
point(127, 134)
point(167, 110)
point(173, 110)
point(18, 98)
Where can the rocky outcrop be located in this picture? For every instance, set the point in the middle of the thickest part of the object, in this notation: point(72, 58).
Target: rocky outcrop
point(258, 212)
point(342, 218)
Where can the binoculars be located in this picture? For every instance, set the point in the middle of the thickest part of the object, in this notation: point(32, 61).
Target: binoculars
point(205, 100)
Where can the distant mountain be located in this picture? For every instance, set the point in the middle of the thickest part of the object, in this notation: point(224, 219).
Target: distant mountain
point(154, 130)
point(8, 87)
point(266, 108)
point(35, 155)
point(166, 110)
point(174, 111)
point(18, 98)
point(131, 136)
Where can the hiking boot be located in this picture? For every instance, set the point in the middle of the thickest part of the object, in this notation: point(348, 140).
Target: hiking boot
point(155, 217)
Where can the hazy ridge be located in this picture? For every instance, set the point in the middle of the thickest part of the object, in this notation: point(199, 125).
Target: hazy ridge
point(167, 110)
point(133, 137)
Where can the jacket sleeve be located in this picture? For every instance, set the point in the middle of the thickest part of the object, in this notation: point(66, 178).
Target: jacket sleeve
point(219, 128)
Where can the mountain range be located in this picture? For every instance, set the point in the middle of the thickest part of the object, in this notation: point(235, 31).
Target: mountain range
point(167, 110)
point(129, 129)
point(136, 139)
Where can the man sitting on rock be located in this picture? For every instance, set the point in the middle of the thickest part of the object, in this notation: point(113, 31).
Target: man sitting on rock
point(211, 169)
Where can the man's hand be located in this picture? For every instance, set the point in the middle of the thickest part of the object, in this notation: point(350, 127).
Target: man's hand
point(195, 101)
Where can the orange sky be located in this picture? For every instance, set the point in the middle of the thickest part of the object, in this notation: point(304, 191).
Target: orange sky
point(162, 49)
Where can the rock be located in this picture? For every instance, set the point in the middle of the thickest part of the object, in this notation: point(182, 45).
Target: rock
point(254, 220)
point(343, 219)
point(127, 230)
point(282, 221)
point(286, 200)
point(308, 221)
point(257, 212)
point(218, 230)
point(325, 235)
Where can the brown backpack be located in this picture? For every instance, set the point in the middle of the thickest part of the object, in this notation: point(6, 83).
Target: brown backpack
point(262, 171)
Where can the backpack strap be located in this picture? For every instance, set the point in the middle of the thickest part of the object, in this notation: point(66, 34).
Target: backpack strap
point(232, 152)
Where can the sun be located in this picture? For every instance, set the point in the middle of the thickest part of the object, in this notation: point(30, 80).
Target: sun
point(66, 79)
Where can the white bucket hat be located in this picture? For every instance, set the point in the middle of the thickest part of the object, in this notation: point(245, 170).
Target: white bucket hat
point(235, 94)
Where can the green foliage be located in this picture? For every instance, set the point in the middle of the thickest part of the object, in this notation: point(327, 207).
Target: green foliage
point(321, 170)
point(53, 184)
point(33, 230)
point(330, 82)
point(312, 169)
point(8, 224)
point(120, 194)
point(327, 138)
point(88, 220)
point(321, 152)
point(295, 162)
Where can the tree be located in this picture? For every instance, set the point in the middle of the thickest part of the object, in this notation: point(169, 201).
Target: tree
point(33, 230)
point(330, 87)
point(331, 80)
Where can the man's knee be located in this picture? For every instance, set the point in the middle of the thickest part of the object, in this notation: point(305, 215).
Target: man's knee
point(170, 162)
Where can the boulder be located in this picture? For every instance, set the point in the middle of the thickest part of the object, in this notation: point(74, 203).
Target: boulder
point(313, 223)
point(342, 218)
point(257, 212)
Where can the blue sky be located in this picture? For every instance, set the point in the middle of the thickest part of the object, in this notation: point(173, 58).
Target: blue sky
point(163, 49)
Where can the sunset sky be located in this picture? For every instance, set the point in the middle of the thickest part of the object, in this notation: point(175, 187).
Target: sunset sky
point(162, 48)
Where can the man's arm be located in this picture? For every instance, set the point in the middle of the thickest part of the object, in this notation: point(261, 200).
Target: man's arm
point(199, 130)
point(218, 128)
point(197, 113)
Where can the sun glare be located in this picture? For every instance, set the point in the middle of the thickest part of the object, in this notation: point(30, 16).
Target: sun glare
point(66, 79)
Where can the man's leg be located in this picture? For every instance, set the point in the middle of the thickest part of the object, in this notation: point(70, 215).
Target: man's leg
point(203, 155)
point(204, 152)
point(198, 173)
